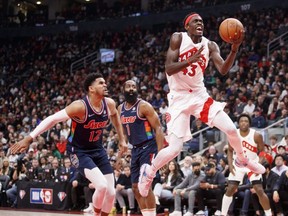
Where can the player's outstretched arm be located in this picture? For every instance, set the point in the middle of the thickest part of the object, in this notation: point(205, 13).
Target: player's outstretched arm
point(223, 66)
point(76, 109)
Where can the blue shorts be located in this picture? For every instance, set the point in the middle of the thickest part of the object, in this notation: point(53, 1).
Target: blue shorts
point(90, 159)
point(143, 153)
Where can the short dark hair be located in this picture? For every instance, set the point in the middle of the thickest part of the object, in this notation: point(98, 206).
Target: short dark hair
point(195, 164)
point(279, 155)
point(90, 79)
point(244, 115)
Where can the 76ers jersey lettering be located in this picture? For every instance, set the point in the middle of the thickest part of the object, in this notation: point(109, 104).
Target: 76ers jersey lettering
point(87, 134)
point(138, 130)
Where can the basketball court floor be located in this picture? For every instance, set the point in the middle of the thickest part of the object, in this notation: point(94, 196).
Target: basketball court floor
point(34, 212)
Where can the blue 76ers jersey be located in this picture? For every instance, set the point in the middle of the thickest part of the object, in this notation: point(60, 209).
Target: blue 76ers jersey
point(137, 129)
point(87, 134)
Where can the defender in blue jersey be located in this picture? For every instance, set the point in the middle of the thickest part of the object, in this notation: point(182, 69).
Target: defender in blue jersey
point(89, 117)
point(143, 130)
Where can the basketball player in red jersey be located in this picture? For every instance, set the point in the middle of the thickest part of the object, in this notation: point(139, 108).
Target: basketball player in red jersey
point(187, 58)
point(89, 118)
point(252, 142)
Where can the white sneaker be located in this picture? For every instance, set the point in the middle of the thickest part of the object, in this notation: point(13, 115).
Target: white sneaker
point(250, 164)
point(218, 213)
point(176, 213)
point(157, 200)
point(188, 214)
point(201, 212)
point(145, 181)
point(89, 209)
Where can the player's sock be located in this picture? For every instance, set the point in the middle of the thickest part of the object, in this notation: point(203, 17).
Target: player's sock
point(226, 201)
point(268, 212)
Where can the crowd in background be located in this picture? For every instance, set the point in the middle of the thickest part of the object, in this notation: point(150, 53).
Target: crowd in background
point(35, 81)
point(76, 11)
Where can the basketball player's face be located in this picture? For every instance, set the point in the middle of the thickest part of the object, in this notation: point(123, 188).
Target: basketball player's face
point(130, 91)
point(99, 87)
point(195, 26)
point(244, 124)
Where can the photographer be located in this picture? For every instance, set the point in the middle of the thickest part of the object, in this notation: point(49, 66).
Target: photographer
point(19, 174)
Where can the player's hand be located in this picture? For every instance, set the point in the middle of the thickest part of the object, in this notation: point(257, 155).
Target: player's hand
point(196, 57)
point(236, 44)
point(123, 147)
point(21, 146)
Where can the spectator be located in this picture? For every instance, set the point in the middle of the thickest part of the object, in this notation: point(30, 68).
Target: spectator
point(157, 102)
point(227, 109)
point(271, 115)
point(57, 169)
point(61, 146)
point(212, 187)
point(281, 149)
point(269, 182)
point(187, 189)
point(77, 190)
point(172, 177)
point(35, 172)
point(280, 192)
point(249, 107)
point(55, 152)
point(163, 108)
point(280, 166)
point(273, 144)
point(258, 120)
point(187, 166)
point(6, 169)
point(198, 125)
point(124, 189)
point(238, 107)
point(225, 167)
point(65, 130)
point(18, 175)
point(266, 155)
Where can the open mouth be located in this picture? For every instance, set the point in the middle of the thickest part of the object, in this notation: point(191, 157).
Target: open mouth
point(199, 29)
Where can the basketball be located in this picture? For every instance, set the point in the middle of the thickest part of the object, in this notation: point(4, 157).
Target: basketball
point(231, 30)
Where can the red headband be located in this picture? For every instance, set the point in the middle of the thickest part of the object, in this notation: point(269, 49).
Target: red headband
point(189, 18)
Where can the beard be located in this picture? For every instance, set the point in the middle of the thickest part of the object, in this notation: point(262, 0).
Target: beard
point(131, 97)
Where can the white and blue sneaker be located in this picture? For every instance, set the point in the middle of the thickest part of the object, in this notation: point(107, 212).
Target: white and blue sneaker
point(145, 181)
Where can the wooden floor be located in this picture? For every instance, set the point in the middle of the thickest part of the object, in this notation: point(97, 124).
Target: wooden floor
point(37, 212)
point(34, 212)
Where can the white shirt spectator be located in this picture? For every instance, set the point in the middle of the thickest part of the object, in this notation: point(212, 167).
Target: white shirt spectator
point(249, 108)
